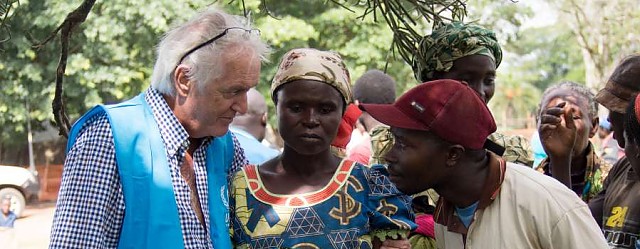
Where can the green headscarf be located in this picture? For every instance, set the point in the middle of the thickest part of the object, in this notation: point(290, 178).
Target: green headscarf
point(450, 42)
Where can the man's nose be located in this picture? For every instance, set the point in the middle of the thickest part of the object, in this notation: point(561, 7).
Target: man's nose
point(240, 104)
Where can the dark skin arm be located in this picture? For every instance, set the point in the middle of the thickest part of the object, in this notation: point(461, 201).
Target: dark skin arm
point(558, 137)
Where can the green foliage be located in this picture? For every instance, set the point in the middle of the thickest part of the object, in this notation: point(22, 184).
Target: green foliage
point(110, 58)
point(112, 53)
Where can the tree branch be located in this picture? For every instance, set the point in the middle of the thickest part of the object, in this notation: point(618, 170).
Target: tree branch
point(73, 19)
point(5, 8)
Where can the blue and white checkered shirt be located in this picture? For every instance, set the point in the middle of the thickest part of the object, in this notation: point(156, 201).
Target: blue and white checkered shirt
point(90, 207)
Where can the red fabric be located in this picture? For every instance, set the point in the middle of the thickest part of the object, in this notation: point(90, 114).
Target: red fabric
point(448, 108)
point(347, 125)
point(637, 107)
point(426, 226)
point(361, 152)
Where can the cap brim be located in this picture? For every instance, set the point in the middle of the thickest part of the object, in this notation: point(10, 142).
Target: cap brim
point(611, 102)
point(392, 116)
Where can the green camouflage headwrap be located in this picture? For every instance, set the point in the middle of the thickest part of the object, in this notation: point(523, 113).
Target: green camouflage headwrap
point(450, 42)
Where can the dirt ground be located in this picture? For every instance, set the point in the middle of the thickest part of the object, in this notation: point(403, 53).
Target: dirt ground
point(33, 229)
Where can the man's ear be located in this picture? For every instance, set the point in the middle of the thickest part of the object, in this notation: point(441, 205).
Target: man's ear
point(181, 81)
point(595, 123)
point(454, 154)
point(263, 119)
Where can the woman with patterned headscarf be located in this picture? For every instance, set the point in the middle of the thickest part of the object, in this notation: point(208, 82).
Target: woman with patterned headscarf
point(308, 197)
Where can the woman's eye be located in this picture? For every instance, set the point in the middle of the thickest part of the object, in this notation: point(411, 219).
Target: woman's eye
point(326, 110)
point(295, 108)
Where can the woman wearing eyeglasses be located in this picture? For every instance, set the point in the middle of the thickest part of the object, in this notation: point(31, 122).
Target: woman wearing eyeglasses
point(308, 197)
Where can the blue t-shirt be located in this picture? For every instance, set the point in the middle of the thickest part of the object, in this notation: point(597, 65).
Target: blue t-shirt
point(7, 221)
point(256, 152)
point(466, 214)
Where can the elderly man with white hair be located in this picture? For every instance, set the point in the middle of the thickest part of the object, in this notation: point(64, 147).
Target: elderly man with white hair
point(152, 172)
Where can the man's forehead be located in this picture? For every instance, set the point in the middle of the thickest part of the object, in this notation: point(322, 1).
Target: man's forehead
point(570, 96)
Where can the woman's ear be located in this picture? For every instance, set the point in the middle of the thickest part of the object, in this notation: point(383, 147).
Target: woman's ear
point(454, 154)
point(181, 81)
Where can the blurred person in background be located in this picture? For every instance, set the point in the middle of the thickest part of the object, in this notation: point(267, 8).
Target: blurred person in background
point(250, 129)
point(7, 219)
point(373, 87)
point(608, 149)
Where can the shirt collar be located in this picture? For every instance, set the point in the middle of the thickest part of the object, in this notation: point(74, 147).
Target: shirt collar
point(173, 133)
point(241, 132)
point(445, 211)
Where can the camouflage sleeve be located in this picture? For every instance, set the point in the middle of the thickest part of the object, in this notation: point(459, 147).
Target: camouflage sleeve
point(381, 143)
point(517, 148)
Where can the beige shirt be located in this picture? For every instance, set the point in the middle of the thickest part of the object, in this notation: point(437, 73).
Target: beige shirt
point(531, 211)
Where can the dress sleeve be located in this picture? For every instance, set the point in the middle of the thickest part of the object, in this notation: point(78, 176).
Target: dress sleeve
point(237, 206)
point(381, 143)
point(517, 148)
point(90, 206)
point(390, 211)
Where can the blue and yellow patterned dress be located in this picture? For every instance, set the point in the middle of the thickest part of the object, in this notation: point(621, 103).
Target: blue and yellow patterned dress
point(358, 204)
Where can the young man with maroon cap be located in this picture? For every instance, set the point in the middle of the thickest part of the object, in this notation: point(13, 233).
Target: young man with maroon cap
point(440, 130)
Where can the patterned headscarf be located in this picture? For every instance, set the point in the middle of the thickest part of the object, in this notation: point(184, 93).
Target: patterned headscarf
point(450, 42)
point(313, 64)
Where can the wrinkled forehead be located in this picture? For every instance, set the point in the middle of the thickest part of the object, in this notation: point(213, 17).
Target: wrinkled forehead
point(567, 95)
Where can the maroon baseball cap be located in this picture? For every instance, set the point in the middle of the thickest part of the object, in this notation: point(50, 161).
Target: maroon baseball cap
point(448, 108)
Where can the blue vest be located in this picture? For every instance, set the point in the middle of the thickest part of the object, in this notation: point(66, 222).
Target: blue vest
point(151, 215)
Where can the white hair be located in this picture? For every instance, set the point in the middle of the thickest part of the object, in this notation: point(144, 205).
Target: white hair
point(205, 63)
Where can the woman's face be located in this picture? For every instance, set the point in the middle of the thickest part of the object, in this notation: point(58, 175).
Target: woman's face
point(309, 114)
point(479, 71)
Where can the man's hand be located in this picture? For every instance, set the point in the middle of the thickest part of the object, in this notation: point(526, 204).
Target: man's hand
point(558, 137)
point(558, 131)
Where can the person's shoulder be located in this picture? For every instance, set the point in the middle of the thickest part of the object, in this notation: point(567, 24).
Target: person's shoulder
point(240, 176)
point(539, 189)
point(94, 129)
point(517, 148)
point(620, 168)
